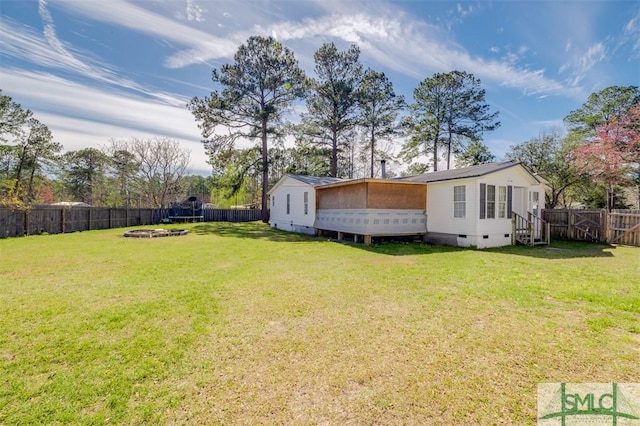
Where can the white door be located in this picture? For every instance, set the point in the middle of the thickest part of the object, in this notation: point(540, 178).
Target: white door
point(534, 207)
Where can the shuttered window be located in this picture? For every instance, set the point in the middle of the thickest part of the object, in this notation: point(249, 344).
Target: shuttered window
point(288, 203)
point(491, 201)
point(306, 203)
point(483, 200)
point(509, 201)
point(459, 201)
point(502, 202)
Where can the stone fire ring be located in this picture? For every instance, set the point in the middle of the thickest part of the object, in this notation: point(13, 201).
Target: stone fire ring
point(152, 233)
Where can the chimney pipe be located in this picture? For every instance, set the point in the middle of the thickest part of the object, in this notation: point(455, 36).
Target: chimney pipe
point(383, 168)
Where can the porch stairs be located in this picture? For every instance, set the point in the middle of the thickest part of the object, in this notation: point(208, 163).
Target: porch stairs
point(531, 230)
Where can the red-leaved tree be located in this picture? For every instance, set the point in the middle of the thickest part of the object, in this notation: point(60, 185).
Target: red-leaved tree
point(611, 157)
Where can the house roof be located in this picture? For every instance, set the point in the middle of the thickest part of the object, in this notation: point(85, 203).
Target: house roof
point(309, 180)
point(467, 172)
point(344, 182)
point(315, 180)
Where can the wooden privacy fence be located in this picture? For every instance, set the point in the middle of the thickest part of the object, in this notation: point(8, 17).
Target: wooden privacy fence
point(614, 227)
point(623, 227)
point(57, 220)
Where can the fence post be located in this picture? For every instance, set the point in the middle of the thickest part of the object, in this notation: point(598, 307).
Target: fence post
point(548, 232)
point(604, 226)
point(571, 220)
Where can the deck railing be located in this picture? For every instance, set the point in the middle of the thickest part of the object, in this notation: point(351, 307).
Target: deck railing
point(530, 230)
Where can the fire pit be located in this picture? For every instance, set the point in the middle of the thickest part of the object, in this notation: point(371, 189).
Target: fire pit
point(152, 233)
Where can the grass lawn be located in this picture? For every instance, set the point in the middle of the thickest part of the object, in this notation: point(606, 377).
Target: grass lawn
point(239, 324)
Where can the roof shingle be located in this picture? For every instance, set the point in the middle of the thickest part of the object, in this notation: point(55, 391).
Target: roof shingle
point(467, 172)
point(316, 180)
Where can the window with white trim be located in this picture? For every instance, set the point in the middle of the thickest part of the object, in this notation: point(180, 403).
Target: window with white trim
point(306, 202)
point(502, 202)
point(288, 203)
point(459, 201)
point(491, 201)
point(273, 201)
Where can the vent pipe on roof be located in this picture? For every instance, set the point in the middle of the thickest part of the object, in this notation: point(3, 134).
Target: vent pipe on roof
point(383, 169)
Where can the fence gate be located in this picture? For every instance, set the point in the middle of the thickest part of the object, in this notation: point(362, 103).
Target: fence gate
point(580, 225)
point(614, 227)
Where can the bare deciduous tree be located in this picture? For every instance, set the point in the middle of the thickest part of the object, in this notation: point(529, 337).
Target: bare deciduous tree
point(162, 164)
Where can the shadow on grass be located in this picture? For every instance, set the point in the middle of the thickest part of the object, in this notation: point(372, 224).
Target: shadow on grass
point(559, 250)
point(401, 247)
point(250, 230)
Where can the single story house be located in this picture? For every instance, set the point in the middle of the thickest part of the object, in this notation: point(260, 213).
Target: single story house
point(475, 206)
point(472, 206)
point(292, 202)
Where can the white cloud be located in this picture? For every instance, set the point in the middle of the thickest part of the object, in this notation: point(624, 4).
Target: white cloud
point(580, 65)
point(127, 15)
point(195, 12)
point(413, 48)
point(81, 116)
point(462, 11)
point(390, 38)
point(25, 44)
point(631, 34)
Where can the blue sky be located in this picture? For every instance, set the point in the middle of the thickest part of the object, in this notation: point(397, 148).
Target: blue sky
point(92, 70)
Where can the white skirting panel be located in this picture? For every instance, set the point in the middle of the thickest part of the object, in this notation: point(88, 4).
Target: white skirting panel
point(372, 221)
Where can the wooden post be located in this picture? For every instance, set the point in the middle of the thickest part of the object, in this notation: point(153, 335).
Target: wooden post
point(340, 236)
point(513, 230)
point(548, 230)
point(62, 220)
point(26, 222)
point(367, 240)
point(89, 220)
point(603, 226)
point(570, 222)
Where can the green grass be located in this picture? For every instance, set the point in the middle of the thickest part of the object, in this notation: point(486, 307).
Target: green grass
point(236, 323)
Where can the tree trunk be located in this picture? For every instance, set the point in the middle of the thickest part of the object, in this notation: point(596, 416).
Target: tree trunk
point(21, 162)
point(265, 173)
point(449, 152)
point(373, 148)
point(435, 153)
point(30, 192)
point(334, 153)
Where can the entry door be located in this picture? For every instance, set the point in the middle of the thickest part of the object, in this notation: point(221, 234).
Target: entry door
point(534, 207)
point(534, 202)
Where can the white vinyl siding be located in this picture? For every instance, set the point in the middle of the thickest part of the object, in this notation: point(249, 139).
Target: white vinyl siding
point(459, 201)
